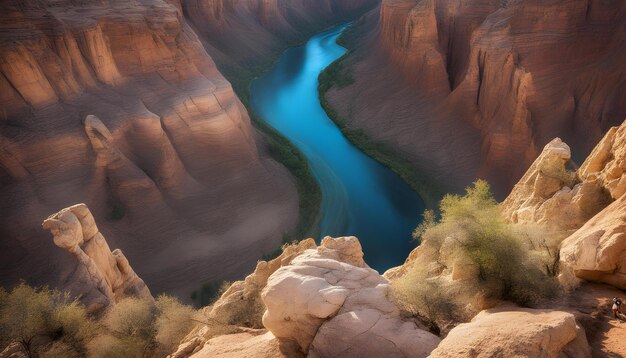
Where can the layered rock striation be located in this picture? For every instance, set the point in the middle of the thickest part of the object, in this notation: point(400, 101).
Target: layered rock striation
point(480, 87)
point(117, 104)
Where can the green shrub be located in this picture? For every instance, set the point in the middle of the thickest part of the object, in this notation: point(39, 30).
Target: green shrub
point(429, 220)
point(174, 321)
point(139, 328)
point(420, 296)
point(41, 318)
point(512, 263)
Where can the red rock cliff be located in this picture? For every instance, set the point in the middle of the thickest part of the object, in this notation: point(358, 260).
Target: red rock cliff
point(519, 72)
point(117, 104)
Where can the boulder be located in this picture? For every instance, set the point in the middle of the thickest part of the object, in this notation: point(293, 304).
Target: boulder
point(516, 332)
point(101, 277)
point(246, 292)
point(597, 251)
point(330, 303)
point(252, 343)
point(238, 298)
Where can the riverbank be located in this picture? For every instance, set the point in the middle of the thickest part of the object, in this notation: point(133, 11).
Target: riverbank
point(337, 75)
point(281, 149)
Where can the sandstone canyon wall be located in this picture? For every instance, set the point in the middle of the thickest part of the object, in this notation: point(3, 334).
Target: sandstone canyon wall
point(117, 104)
point(242, 35)
point(477, 88)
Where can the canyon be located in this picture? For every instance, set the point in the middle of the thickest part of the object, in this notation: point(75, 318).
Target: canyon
point(125, 125)
point(324, 300)
point(476, 89)
point(119, 105)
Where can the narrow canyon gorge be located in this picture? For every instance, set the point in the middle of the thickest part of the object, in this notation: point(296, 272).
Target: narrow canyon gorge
point(312, 178)
point(467, 89)
point(118, 104)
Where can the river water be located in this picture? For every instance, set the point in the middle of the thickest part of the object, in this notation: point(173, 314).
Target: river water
point(360, 197)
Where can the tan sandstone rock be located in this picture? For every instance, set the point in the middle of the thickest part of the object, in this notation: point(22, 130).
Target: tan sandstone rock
point(242, 293)
point(331, 303)
point(549, 194)
point(607, 162)
point(237, 298)
point(518, 332)
point(101, 277)
point(597, 251)
point(249, 344)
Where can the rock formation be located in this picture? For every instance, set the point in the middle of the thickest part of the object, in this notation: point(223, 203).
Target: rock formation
point(550, 194)
point(330, 303)
point(101, 277)
point(247, 292)
point(597, 251)
point(321, 301)
point(240, 298)
point(117, 104)
point(479, 87)
point(516, 332)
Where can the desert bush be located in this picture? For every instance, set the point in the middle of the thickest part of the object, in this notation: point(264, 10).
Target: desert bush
point(174, 321)
point(429, 220)
point(139, 328)
point(128, 330)
point(131, 317)
point(425, 298)
point(109, 346)
point(511, 263)
point(544, 244)
point(43, 319)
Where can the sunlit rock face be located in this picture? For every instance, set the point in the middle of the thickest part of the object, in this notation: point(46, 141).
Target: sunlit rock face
point(101, 278)
point(330, 303)
point(535, 333)
point(477, 88)
point(118, 105)
point(550, 194)
point(597, 251)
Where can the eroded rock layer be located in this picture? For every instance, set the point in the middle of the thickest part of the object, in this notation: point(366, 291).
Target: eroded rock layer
point(477, 88)
point(118, 105)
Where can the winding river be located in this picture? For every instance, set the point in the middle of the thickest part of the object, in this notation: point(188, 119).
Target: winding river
point(360, 197)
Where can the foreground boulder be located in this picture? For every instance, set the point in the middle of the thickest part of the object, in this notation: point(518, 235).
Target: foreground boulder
point(239, 304)
point(331, 303)
point(247, 292)
point(250, 343)
point(505, 332)
point(101, 277)
point(597, 251)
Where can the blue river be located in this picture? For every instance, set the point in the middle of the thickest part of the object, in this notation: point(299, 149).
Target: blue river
point(360, 196)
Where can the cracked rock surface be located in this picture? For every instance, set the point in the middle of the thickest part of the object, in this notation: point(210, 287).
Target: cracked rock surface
point(332, 304)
